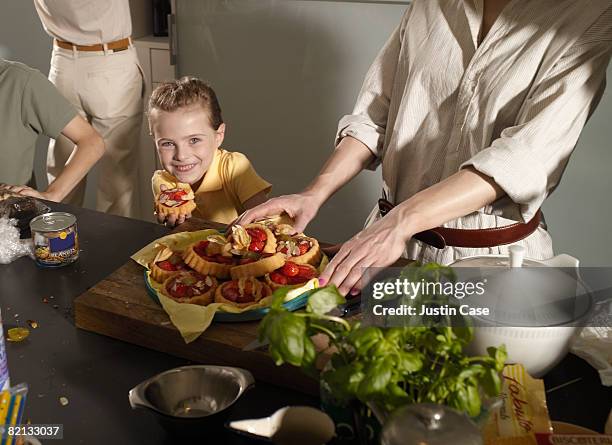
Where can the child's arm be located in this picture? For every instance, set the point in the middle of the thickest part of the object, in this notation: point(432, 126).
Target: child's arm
point(89, 147)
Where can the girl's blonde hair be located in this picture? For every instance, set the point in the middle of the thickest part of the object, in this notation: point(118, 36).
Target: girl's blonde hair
point(183, 92)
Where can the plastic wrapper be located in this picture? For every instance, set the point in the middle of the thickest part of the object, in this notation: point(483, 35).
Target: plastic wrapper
point(11, 246)
point(523, 413)
point(12, 404)
point(595, 342)
point(23, 209)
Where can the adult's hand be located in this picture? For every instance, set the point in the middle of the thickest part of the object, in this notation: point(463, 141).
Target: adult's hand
point(379, 245)
point(301, 207)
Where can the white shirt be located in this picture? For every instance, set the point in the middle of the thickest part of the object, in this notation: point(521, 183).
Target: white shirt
point(512, 106)
point(85, 22)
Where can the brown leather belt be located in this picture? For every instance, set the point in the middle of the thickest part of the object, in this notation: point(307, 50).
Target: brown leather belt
point(440, 237)
point(118, 45)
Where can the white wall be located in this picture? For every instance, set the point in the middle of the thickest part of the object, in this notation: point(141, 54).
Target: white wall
point(579, 212)
point(285, 72)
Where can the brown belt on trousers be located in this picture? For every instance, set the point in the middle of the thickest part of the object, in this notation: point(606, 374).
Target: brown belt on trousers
point(441, 237)
point(118, 45)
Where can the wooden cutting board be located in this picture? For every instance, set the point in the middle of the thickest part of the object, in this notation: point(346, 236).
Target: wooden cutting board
point(120, 307)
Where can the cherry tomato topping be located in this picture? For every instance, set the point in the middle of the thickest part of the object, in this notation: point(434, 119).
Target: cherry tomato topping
point(304, 247)
point(278, 278)
point(257, 234)
point(290, 269)
point(167, 265)
point(257, 246)
point(306, 272)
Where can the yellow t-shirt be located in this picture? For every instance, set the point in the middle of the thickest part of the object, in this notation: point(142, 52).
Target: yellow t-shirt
point(228, 183)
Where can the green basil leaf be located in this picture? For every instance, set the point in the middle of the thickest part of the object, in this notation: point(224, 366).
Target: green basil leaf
point(471, 372)
point(278, 297)
point(491, 382)
point(343, 381)
point(377, 377)
point(410, 362)
point(309, 358)
point(365, 338)
point(324, 299)
point(473, 401)
point(464, 334)
point(383, 348)
point(286, 333)
point(500, 355)
point(459, 399)
point(394, 397)
point(396, 335)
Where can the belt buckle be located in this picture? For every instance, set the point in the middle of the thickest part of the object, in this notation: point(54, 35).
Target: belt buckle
point(384, 206)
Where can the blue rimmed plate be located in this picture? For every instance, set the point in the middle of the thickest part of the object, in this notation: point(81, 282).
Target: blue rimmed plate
point(256, 314)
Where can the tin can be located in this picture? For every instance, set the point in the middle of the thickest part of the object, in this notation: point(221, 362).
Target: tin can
point(56, 241)
point(5, 382)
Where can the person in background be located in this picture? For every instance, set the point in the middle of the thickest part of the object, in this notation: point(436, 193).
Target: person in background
point(188, 129)
point(473, 108)
point(95, 66)
point(32, 106)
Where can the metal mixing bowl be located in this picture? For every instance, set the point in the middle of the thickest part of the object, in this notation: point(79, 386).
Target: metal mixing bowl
point(192, 400)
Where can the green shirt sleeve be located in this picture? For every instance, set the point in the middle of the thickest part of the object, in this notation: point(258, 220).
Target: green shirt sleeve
point(43, 108)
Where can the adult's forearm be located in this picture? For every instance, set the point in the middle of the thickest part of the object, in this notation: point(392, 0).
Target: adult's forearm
point(347, 161)
point(458, 195)
point(86, 153)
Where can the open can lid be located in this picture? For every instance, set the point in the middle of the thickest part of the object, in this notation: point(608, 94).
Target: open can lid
point(52, 222)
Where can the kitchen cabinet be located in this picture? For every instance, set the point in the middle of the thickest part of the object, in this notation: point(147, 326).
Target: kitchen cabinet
point(154, 55)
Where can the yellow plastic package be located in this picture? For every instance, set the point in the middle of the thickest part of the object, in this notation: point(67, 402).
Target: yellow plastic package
point(523, 413)
point(12, 404)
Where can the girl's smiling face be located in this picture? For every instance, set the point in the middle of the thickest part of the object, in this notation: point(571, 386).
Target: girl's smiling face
point(186, 142)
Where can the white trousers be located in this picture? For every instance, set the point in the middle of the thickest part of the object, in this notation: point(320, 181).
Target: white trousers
point(107, 89)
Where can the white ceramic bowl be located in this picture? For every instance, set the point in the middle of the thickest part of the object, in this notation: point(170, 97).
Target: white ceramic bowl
point(538, 349)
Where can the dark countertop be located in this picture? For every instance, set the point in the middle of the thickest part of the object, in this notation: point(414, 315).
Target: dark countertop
point(95, 373)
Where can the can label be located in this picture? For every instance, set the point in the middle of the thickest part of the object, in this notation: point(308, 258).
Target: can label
point(5, 383)
point(59, 248)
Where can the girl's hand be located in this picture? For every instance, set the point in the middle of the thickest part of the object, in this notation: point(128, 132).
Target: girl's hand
point(301, 207)
point(380, 245)
point(172, 221)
